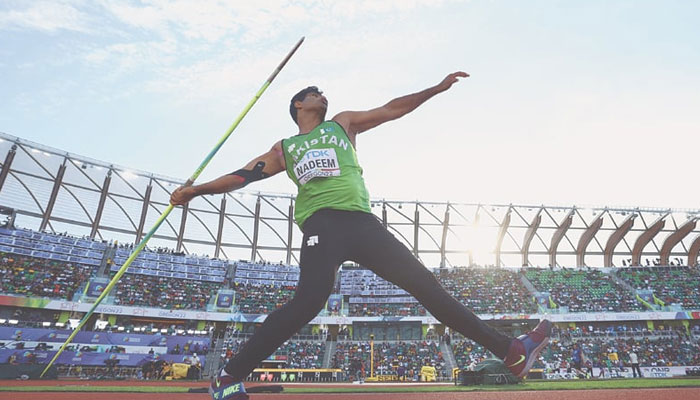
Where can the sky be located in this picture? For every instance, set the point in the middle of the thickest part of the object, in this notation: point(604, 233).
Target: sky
point(568, 102)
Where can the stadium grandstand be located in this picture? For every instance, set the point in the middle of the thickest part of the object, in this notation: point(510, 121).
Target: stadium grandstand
point(613, 280)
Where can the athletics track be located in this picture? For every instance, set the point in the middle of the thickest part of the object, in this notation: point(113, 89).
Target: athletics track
point(690, 393)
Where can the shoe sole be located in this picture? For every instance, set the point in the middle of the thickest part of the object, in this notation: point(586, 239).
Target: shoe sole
point(533, 357)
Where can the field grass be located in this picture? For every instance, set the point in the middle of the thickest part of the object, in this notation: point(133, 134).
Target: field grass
point(369, 388)
point(532, 385)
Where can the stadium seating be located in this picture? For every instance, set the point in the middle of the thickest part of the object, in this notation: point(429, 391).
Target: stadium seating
point(354, 358)
point(169, 264)
point(468, 353)
point(261, 298)
point(488, 290)
point(674, 351)
point(672, 285)
point(583, 290)
point(40, 277)
point(302, 354)
point(161, 292)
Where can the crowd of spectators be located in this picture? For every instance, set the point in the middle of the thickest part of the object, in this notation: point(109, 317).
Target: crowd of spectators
point(296, 354)
point(261, 299)
point(40, 277)
point(469, 353)
point(382, 309)
point(302, 354)
point(229, 349)
point(622, 330)
point(599, 352)
point(168, 293)
point(488, 290)
point(583, 290)
point(672, 285)
point(403, 358)
point(353, 358)
point(615, 352)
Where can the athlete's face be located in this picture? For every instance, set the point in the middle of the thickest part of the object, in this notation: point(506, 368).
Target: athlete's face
point(315, 102)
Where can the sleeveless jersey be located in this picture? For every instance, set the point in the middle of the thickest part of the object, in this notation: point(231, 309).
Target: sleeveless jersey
point(323, 164)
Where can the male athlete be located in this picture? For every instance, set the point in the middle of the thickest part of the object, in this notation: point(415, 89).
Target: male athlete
point(333, 212)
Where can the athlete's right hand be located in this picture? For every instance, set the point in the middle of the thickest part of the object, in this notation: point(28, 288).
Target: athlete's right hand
point(182, 195)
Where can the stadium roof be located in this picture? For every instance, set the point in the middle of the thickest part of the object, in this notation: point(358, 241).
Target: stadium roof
point(55, 190)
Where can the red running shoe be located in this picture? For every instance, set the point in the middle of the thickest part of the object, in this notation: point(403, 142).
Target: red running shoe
point(525, 349)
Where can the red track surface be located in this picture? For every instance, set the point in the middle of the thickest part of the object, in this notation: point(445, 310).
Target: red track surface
point(602, 394)
point(598, 394)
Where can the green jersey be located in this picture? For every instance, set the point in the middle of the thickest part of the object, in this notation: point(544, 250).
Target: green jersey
point(323, 164)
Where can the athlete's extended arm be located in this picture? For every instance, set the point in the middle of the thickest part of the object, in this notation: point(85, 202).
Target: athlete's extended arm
point(262, 167)
point(356, 122)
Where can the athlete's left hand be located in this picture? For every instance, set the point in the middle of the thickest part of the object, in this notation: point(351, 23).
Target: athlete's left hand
point(450, 80)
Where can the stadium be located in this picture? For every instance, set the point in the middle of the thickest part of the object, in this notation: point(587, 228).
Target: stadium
point(520, 223)
point(614, 282)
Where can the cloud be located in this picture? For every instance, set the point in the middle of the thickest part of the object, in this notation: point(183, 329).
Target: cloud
point(204, 50)
point(47, 17)
point(126, 56)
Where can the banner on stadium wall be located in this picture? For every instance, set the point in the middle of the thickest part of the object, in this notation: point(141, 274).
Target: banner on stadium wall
point(335, 303)
point(646, 295)
point(382, 300)
point(224, 299)
point(106, 338)
point(96, 286)
point(542, 299)
point(87, 358)
point(647, 372)
point(32, 302)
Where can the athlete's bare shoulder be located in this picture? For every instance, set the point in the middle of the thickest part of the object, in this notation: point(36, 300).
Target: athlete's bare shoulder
point(278, 153)
point(344, 119)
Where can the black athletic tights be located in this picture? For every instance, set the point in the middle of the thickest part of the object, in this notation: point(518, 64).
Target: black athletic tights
point(332, 237)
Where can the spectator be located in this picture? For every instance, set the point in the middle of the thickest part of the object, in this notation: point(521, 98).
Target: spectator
point(634, 364)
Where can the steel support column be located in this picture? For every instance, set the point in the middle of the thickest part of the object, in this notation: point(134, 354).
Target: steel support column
point(529, 235)
point(101, 204)
point(290, 230)
point(586, 239)
point(693, 251)
point(502, 230)
point(443, 243)
point(220, 229)
point(144, 211)
point(7, 164)
point(615, 238)
point(645, 238)
point(181, 233)
point(385, 219)
point(256, 227)
point(673, 239)
point(559, 235)
point(54, 193)
point(416, 226)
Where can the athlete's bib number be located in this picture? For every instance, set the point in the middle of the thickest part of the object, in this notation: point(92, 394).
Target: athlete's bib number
point(317, 163)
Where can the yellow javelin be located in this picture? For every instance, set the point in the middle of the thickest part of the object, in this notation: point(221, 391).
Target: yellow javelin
point(168, 209)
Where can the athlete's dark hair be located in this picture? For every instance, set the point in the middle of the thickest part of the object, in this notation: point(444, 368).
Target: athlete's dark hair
point(300, 97)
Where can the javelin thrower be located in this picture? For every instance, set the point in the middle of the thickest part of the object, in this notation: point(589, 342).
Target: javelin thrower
point(333, 212)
